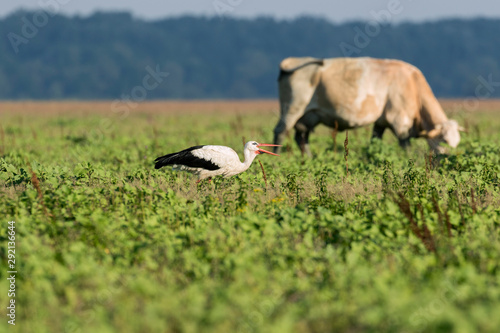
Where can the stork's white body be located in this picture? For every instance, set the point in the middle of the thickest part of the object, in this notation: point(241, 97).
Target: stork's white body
point(210, 161)
point(225, 157)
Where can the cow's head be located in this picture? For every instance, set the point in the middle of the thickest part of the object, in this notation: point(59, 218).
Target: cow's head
point(448, 132)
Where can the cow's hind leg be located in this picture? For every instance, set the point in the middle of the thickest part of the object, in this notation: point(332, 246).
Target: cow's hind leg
point(302, 139)
point(303, 128)
point(289, 118)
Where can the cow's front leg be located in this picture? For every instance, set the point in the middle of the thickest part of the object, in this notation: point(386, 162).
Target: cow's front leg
point(404, 143)
point(378, 131)
point(402, 127)
point(279, 135)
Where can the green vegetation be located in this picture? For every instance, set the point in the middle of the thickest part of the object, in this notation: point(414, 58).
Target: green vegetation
point(105, 55)
point(403, 243)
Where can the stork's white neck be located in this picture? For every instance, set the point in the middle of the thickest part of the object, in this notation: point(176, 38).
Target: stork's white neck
point(249, 157)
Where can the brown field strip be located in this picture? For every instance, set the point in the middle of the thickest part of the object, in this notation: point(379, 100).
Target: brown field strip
point(178, 107)
point(167, 107)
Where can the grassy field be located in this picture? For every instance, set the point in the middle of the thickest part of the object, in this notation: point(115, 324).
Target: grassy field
point(381, 240)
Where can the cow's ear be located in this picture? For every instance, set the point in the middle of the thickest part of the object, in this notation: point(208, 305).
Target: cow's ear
point(462, 129)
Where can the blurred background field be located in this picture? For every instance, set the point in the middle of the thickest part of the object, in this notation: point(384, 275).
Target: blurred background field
point(403, 242)
point(106, 54)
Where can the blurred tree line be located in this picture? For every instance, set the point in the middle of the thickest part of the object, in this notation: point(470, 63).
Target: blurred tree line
point(106, 55)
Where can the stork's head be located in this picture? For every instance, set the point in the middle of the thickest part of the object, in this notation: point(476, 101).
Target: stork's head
point(254, 147)
point(448, 132)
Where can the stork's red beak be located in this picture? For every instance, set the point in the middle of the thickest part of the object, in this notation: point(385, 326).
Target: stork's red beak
point(261, 151)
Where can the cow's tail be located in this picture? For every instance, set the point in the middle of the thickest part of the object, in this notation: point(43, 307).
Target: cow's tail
point(290, 65)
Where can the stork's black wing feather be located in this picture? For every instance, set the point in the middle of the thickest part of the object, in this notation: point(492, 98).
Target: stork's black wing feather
point(185, 157)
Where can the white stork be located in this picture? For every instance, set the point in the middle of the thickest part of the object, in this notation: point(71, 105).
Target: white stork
point(210, 161)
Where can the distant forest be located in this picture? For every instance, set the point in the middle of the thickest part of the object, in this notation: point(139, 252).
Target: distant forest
point(111, 55)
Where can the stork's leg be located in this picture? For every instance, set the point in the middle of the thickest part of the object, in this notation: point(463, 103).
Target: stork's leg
point(199, 180)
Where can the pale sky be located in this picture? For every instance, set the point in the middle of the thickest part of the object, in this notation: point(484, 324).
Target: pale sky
point(336, 11)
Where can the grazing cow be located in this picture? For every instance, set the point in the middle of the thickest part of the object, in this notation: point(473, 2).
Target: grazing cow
point(347, 93)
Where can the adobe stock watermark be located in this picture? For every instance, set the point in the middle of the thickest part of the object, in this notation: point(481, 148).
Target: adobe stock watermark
point(104, 298)
point(120, 110)
point(224, 7)
point(447, 294)
point(485, 89)
point(254, 320)
point(463, 109)
point(121, 107)
point(11, 272)
point(31, 25)
point(364, 35)
point(257, 314)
